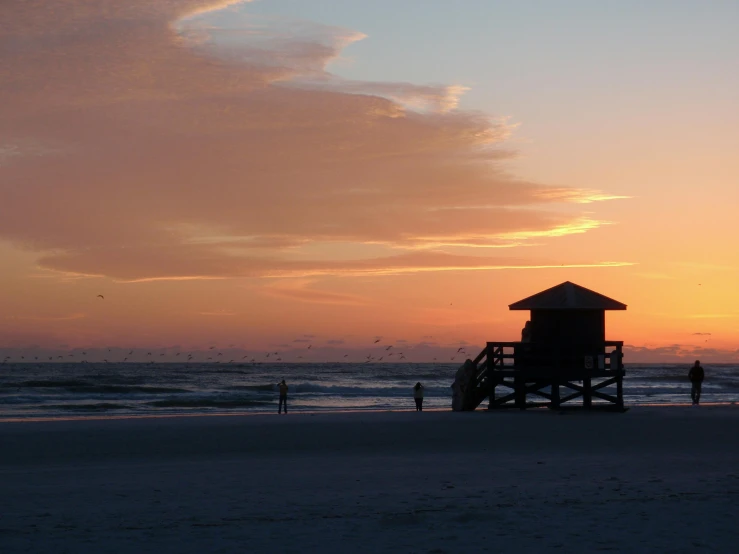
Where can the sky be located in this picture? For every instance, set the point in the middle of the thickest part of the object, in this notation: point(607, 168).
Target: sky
point(270, 174)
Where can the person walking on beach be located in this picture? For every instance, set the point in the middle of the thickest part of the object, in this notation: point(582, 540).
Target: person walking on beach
point(283, 397)
point(696, 375)
point(418, 396)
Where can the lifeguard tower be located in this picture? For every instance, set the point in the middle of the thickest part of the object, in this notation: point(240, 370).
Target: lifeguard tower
point(563, 346)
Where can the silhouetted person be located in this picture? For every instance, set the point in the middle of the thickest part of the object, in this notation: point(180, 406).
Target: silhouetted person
point(418, 396)
point(524, 351)
point(696, 375)
point(283, 397)
point(526, 332)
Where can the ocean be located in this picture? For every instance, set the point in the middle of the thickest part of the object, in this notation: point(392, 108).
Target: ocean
point(35, 390)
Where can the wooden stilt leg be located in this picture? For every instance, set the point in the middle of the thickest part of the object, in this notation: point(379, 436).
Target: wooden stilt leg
point(555, 394)
point(520, 392)
point(493, 385)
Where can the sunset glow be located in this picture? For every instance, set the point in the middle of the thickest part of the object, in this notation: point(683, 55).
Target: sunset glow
point(252, 174)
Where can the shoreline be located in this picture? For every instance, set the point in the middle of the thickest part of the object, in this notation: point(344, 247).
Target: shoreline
point(569, 409)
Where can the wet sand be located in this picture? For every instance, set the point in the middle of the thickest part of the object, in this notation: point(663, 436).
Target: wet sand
point(655, 479)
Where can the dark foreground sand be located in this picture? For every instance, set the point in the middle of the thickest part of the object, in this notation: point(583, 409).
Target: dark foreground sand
point(650, 480)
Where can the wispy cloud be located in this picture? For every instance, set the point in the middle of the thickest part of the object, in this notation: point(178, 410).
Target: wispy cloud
point(578, 226)
point(224, 266)
point(579, 196)
point(69, 317)
point(171, 278)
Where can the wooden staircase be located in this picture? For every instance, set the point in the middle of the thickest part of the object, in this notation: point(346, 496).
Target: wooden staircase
point(473, 383)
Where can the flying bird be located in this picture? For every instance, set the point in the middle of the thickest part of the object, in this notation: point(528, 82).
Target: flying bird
point(389, 347)
point(310, 346)
point(378, 340)
point(100, 296)
point(460, 349)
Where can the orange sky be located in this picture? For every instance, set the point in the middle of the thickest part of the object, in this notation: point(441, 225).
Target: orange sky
point(251, 197)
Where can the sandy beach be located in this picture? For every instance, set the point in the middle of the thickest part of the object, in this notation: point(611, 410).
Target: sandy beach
point(651, 480)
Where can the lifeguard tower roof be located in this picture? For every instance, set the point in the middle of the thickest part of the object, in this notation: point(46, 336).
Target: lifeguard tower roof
point(567, 296)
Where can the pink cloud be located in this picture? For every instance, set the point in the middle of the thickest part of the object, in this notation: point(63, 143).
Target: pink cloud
point(140, 146)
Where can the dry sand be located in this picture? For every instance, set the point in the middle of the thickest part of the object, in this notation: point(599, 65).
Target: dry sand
point(650, 480)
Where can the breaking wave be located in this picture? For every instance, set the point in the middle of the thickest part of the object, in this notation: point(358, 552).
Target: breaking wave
point(98, 407)
point(206, 403)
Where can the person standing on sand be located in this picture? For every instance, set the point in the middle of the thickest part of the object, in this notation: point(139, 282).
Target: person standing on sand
point(283, 397)
point(418, 396)
point(696, 375)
